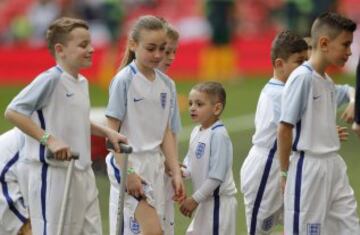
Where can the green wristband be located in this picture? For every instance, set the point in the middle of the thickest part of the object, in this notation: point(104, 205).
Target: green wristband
point(44, 139)
point(283, 173)
point(130, 170)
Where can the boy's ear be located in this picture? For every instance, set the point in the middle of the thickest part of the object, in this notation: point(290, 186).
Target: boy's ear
point(278, 63)
point(324, 42)
point(218, 108)
point(58, 48)
point(132, 45)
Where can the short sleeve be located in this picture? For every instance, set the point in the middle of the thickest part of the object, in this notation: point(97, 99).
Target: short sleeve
point(342, 96)
point(221, 155)
point(175, 121)
point(294, 99)
point(117, 104)
point(34, 96)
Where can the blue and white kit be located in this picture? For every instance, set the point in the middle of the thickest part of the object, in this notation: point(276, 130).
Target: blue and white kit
point(59, 103)
point(13, 204)
point(318, 197)
point(259, 174)
point(210, 156)
point(145, 108)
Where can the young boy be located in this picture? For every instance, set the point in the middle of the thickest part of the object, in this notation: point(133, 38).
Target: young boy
point(53, 112)
point(259, 172)
point(14, 216)
point(209, 164)
point(318, 198)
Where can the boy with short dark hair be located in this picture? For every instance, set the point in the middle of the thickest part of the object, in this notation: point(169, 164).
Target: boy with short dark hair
point(209, 164)
point(318, 198)
point(53, 111)
point(259, 172)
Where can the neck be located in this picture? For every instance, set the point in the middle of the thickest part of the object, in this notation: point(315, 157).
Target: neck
point(149, 73)
point(209, 123)
point(278, 76)
point(70, 70)
point(318, 63)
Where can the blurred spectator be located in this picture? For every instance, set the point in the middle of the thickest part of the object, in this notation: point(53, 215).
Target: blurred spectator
point(219, 14)
point(40, 14)
point(300, 14)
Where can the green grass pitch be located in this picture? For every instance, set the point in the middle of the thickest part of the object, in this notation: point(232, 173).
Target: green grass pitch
point(242, 97)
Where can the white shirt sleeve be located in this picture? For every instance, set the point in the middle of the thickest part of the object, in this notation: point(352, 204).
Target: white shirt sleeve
point(294, 98)
point(221, 154)
point(187, 164)
point(117, 104)
point(175, 122)
point(206, 190)
point(342, 94)
point(36, 95)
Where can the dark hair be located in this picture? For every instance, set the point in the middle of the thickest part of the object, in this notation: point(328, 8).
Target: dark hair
point(330, 24)
point(59, 30)
point(147, 22)
point(214, 90)
point(285, 44)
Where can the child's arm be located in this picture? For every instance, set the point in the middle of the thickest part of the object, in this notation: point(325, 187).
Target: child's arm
point(25, 124)
point(133, 181)
point(284, 137)
point(169, 149)
point(204, 192)
point(113, 136)
point(346, 94)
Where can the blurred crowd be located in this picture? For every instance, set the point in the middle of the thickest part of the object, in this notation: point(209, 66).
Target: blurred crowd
point(25, 21)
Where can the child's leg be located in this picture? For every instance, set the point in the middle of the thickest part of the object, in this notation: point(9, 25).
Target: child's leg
point(259, 177)
point(45, 197)
point(343, 218)
point(92, 219)
point(168, 219)
point(13, 210)
point(148, 219)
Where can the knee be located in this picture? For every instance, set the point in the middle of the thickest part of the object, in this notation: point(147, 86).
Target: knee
point(154, 231)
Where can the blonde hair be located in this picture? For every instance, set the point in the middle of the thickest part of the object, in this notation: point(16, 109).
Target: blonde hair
point(171, 32)
point(147, 22)
point(59, 30)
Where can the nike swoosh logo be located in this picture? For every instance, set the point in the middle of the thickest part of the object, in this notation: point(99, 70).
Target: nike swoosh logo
point(69, 94)
point(137, 100)
point(316, 97)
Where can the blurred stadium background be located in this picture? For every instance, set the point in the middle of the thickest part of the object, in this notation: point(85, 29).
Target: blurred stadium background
point(224, 40)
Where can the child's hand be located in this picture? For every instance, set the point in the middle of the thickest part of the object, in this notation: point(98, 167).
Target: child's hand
point(25, 229)
point(349, 113)
point(168, 171)
point(188, 206)
point(179, 188)
point(134, 185)
point(60, 150)
point(342, 133)
point(115, 138)
point(356, 128)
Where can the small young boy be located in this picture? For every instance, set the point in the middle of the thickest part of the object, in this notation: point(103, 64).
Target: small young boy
point(53, 111)
point(209, 164)
point(259, 172)
point(318, 198)
point(14, 215)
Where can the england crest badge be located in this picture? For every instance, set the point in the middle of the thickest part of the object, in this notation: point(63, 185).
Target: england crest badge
point(200, 149)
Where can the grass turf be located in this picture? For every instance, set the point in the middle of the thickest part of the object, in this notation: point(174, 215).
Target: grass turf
point(242, 97)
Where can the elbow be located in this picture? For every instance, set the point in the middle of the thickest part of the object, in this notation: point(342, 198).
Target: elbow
point(8, 114)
